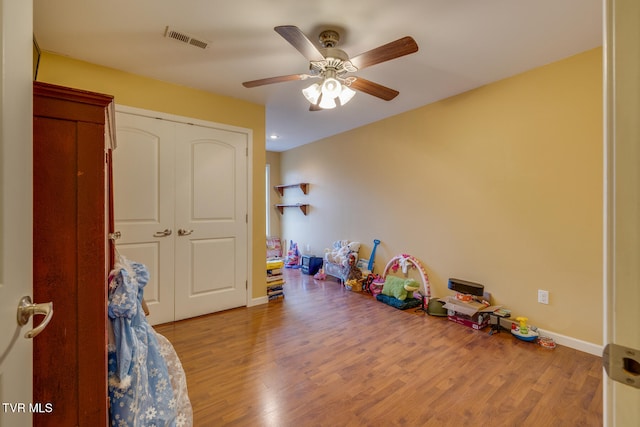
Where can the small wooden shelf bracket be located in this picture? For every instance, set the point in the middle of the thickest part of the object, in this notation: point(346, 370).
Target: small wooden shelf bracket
point(303, 207)
point(304, 186)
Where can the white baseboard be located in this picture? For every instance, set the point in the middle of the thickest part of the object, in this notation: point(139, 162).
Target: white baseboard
point(574, 343)
point(258, 301)
point(560, 339)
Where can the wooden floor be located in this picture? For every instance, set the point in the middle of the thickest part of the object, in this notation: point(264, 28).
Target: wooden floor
point(325, 356)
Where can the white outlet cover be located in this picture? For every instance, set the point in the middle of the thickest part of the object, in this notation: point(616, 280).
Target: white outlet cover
point(543, 296)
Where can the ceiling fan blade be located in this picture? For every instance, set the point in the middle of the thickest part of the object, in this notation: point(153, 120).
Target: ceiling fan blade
point(375, 89)
point(387, 52)
point(279, 79)
point(299, 40)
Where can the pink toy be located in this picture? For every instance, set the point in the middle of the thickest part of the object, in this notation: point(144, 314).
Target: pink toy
point(293, 256)
point(320, 275)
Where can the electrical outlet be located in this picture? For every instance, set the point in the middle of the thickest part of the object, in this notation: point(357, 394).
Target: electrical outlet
point(543, 296)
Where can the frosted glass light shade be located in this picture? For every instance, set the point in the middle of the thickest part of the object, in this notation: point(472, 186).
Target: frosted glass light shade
point(324, 95)
point(312, 93)
point(331, 87)
point(345, 95)
point(327, 103)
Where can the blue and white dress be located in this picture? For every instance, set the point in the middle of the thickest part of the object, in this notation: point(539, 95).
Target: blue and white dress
point(140, 386)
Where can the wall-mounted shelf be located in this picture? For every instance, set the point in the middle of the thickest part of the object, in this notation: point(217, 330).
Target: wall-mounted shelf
point(303, 207)
point(304, 186)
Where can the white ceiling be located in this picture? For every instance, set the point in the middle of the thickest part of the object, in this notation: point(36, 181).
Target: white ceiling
point(463, 44)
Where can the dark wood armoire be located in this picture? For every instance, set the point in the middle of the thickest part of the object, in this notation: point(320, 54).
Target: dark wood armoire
point(71, 193)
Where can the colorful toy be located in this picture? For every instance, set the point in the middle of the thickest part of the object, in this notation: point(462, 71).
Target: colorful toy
point(293, 256)
point(354, 272)
point(354, 275)
point(376, 242)
point(320, 275)
point(522, 331)
point(406, 261)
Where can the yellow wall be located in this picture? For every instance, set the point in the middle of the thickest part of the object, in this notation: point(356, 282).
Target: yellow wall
point(136, 91)
point(501, 185)
point(273, 160)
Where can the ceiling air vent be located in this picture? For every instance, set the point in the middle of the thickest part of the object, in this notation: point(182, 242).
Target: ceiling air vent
point(183, 37)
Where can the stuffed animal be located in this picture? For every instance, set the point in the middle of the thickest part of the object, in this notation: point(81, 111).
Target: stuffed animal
point(340, 251)
point(354, 246)
point(398, 287)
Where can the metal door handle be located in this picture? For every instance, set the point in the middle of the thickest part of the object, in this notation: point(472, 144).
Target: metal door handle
point(164, 233)
point(183, 232)
point(26, 309)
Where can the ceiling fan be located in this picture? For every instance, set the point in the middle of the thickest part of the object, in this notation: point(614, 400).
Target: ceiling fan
point(332, 66)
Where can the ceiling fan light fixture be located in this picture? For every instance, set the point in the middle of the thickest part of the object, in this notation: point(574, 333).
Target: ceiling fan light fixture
point(331, 87)
point(327, 103)
point(312, 93)
point(346, 94)
point(324, 94)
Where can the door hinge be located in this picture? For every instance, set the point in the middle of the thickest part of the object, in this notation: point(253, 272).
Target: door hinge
point(246, 218)
point(246, 284)
point(246, 151)
point(622, 364)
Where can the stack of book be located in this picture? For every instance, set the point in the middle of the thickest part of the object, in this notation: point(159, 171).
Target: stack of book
point(275, 279)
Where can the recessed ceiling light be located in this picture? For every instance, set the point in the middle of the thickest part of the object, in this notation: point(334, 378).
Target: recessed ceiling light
point(274, 136)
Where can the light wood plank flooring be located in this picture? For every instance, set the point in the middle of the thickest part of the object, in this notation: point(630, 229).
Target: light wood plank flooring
point(325, 356)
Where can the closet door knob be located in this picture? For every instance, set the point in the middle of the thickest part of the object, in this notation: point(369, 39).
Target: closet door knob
point(183, 232)
point(164, 233)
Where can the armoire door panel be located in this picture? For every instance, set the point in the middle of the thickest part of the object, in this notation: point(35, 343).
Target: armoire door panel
point(92, 288)
point(54, 234)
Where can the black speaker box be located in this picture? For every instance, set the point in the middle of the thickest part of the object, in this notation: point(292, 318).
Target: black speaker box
point(465, 287)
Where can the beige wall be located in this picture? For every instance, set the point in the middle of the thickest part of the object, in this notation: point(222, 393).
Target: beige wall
point(136, 91)
point(501, 185)
point(273, 160)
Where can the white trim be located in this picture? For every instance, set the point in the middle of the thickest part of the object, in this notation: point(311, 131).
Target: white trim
point(607, 200)
point(574, 343)
point(183, 119)
point(258, 301)
point(205, 123)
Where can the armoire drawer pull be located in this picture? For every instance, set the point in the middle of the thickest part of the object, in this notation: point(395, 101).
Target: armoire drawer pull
point(164, 233)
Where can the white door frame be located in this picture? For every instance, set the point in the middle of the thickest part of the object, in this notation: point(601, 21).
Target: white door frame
point(16, 207)
point(621, 199)
point(250, 154)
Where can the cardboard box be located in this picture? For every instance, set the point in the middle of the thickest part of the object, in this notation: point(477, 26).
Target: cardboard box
point(478, 322)
point(472, 314)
